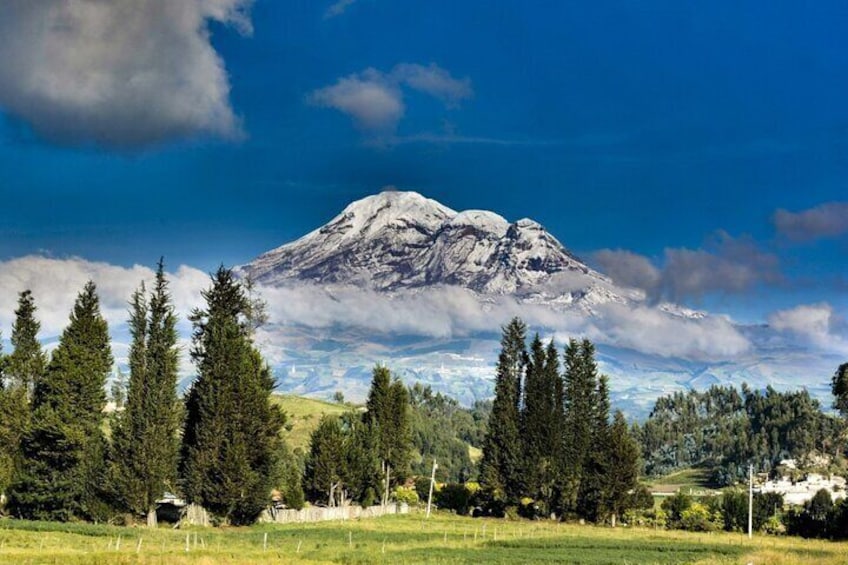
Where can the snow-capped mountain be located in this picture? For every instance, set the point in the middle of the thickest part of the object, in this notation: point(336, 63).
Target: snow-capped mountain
point(400, 279)
point(401, 240)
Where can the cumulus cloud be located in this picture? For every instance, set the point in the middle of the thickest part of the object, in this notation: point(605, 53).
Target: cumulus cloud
point(118, 73)
point(818, 324)
point(650, 330)
point(375, 100)
point(55, 284)
point(826, 220)
point(372, 101)
point(726, 264)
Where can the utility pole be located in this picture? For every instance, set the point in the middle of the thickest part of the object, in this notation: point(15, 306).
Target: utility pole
point(432, 482)
point(750, 501)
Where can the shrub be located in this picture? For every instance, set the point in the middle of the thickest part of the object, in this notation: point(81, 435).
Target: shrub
point(698, 518)
point(405, 495)
point(674, 506)
point(456, 497)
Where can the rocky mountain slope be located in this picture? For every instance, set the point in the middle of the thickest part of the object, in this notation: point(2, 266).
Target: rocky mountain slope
point(402, 240)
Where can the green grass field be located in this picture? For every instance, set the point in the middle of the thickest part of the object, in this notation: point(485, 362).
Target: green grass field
point(443, 538)
point(303, 414)
point(693, 479)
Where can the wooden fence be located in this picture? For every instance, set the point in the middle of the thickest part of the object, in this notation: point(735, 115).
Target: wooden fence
point(322, 514)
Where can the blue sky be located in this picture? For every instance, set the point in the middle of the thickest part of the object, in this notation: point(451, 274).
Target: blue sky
point(655, 139)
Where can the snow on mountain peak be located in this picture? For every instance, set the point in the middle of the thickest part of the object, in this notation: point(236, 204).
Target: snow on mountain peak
point(481, 220)
point(395, 240)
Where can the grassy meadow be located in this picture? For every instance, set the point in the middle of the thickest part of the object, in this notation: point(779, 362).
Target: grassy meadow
point(303, 415)
point(444, 538)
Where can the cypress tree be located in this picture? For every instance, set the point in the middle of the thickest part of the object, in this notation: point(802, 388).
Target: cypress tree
point(325, 474)
point(535, 421)
point(21, 370)
point(26, 364)
point(9, 443)
point(553, 427)
point(145, 439)
point(577, 429)
point(622, 468)
point(231, 436)
point(387, 414)
point(63, 473)
point(364, 471)
point(500, 467)
point(593, 495)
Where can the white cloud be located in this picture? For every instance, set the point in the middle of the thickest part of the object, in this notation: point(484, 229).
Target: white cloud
point(826, 220)
point(439, 313)
point(435, 81)
point(338, 8)
point(817, 324)
point(116, 72)
point(649, 330)
point(55, 284)
point(452, 312)
point(375, 100)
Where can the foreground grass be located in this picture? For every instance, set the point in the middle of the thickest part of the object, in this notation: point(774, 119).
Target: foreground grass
point(398, 539)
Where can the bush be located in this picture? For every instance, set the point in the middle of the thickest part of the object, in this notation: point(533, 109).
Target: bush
point(422, 487)
point(698, 518)
point(369, 498)
point(674, 506)
point(819, 518)
point(532, 509)
point(648, 518)
point(405, 495)
point(641, 498)
point(456, 497)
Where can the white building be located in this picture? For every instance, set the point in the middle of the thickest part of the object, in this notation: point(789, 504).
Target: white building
point(799, 492)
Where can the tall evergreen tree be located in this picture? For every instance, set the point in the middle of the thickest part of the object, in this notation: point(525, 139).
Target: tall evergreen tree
point(362, 460)
point(501, 466)
point(387, 414)
point(326, 469)
point(579, 421)
point(23, 368)
point(593, 495)
point(622, 470)
point(9, 443)
point(536, 413)
point(145, 439)
point(27, 362)
point(231, 436)
point(559, 465)
point(63, 472)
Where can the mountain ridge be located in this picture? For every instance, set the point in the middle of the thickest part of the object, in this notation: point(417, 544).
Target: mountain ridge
point(398, 240)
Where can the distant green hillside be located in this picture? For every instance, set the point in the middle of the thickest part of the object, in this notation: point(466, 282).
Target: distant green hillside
point(303, 415)
point(451, 433)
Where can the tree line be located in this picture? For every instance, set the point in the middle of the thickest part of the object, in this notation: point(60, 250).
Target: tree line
point(220, 447)
point(362, 457)
point(726, 430)
point(551, 447)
